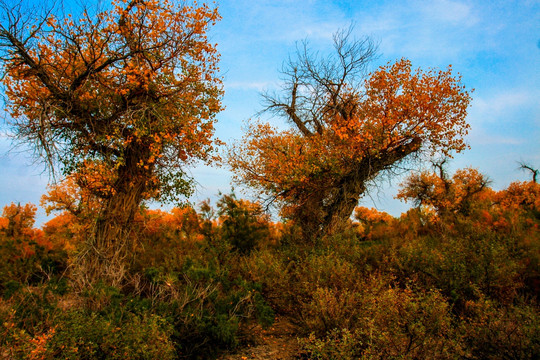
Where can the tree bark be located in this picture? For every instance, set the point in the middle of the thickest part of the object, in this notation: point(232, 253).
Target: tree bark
point(327, 213)
point(113, 225)
point(112, 238)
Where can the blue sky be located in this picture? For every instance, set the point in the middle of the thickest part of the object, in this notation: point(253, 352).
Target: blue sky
point(495, 45)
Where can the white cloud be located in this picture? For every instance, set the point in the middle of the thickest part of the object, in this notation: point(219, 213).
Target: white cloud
point(497, 106)
point(448, 11)
point(248, 85)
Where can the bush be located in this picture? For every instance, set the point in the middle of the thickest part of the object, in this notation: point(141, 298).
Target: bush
point(462, 259)
point(27, 257)
point(80, 335)
point(497, 332)
point(243, 223)
point(382, 322)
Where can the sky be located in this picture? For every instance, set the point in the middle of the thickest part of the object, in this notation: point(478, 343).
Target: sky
point(494, 45)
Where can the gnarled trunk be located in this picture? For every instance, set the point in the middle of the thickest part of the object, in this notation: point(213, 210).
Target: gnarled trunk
point(115, 222)
point(112, 240)
point(327, 213)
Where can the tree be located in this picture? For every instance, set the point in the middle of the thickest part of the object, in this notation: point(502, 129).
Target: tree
point(369, 220)
point(16, 220)
point(446, 195)
point(243, 223)
point(526, 167)
point(68, 197)
point(521, 197)
point(122, 99)
point(346, 128)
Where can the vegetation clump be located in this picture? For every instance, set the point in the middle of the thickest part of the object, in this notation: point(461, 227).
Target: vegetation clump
point(459, 282)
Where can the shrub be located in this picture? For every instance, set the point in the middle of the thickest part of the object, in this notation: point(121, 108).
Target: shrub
point(498, 332)
point(81, 335)
point(243, 223)
point(461, 258)
point(383, 322)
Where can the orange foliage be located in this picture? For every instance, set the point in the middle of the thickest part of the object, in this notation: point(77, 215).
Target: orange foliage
point(399, 107)
point(465, 188)
point(400, 112)
point(4, 223)
point(122, 99)
point(16, 223)
point(371, 216)
point(144, 71)
point(466, 197)
point(518, 205)
point(521, 195)
point(370, 219)
point(64, 231)
point(18, 220)
point(78, 207)
point(179, 221)
point(68, 196)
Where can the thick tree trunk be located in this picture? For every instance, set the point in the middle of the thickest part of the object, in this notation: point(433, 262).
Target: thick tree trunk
point(342, 205)
point(114, 225)
point(111, 243)
point(328, 212)
point(112, 239)
point(309, 216)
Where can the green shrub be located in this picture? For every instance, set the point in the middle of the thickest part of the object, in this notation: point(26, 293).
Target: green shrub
point(381, 322)
point(243, 223)
point(81, 335)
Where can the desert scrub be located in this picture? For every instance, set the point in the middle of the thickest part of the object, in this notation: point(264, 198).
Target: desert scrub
point(92, 336)
point(380, 322)
point(492, 331)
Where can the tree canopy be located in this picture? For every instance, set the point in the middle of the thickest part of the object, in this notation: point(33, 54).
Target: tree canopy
point(347, 126)
point(123, 99)
point(446, 195)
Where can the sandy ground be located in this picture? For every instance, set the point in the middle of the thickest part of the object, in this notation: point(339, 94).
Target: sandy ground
point(276, 343)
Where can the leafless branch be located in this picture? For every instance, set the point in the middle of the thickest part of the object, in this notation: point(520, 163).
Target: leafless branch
point(315, 85)
point(526, 167)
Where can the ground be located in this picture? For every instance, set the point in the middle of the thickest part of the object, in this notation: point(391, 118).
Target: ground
point(279, 342)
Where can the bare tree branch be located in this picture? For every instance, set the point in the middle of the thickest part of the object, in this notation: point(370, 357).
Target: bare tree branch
point(527, 167)
point(314, 86)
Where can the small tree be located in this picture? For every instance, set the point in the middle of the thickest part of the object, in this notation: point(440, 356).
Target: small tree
point(347, 128)
point(527, 167)
point(17, 219)
point(243, 223)
point(122, 99)
point(455, 195)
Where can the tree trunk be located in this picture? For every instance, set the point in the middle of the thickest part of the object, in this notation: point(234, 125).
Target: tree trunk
point(114, 224)
point(343, 203)
point(112, 239)
point(329, 212)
